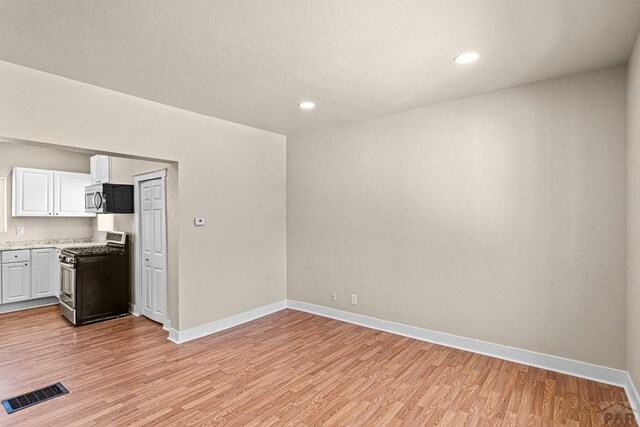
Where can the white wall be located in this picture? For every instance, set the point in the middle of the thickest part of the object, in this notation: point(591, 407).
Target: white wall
point(233, 175)
point(633, 215)
point(29, 156)
point(499, 217)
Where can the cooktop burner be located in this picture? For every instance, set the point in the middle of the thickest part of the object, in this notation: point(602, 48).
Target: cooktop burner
point(94, 250)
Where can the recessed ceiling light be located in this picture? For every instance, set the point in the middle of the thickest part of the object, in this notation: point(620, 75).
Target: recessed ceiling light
point(466, 58)
point(307, 105)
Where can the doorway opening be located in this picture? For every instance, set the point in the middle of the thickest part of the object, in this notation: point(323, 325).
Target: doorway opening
point(121, 169)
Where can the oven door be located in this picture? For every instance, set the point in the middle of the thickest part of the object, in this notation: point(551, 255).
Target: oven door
point(94, 199)
point(68, 284)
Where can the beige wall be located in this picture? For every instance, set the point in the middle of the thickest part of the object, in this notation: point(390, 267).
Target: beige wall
point(233, 175)
point(633, 216)
point(21, 155)
point(499, 217)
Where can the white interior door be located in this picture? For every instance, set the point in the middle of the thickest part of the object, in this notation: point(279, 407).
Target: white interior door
point(153, 248)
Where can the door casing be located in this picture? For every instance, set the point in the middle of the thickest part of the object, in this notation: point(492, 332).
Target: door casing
point(136, 308)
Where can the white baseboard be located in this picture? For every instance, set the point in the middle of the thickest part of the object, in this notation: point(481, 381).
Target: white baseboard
point(133, 309)
point(589, 371)
point(633, 396)
point(173, 336)
point(182, 336)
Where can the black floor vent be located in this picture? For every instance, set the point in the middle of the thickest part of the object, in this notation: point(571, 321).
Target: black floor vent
point(29, 399)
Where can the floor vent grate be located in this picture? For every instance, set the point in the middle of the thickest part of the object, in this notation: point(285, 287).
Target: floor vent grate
point(29, 399)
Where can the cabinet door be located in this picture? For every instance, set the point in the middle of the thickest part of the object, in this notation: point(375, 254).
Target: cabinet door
point(43, 269)
point(105, 169)
point(100, 169)
point(32, 192)
point(95, 169)
point(15, 282)
point(69, 193)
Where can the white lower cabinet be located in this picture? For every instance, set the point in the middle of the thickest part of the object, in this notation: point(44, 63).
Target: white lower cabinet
point(35, 275)
point(44, 266)
point(16, 282)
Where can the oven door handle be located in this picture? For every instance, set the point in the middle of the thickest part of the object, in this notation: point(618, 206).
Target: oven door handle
point(66, 264)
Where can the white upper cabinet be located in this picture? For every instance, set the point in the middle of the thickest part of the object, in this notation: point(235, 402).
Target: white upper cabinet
point(32, 192)
point(40, 192)
point(100, 169)
point(69, 193)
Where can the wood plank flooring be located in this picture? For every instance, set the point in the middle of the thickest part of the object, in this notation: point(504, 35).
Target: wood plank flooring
point(289, 368)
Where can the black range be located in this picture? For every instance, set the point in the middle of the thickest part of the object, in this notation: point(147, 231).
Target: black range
point(95, 281)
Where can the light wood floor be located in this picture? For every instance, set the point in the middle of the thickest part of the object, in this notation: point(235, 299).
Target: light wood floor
point(289, 368)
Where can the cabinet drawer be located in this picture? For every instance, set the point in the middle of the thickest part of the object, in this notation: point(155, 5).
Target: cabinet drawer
point(15, 256)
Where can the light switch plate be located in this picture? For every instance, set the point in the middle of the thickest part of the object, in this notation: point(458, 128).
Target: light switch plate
point(19, 231)
point(199, 221)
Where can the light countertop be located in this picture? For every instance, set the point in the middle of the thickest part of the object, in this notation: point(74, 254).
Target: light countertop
point(51, 243)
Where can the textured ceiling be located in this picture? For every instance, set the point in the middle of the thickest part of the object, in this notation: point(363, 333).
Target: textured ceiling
point(252, 61)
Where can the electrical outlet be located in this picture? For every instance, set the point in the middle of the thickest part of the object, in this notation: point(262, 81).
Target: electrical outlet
point(354, 299)
point(199, 221)
point(19, 230)
point(334, 297)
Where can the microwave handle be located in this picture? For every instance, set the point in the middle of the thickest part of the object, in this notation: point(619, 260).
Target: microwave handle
point(97, 204)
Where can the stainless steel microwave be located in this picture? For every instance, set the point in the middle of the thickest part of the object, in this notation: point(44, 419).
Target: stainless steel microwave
point(108, 198)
